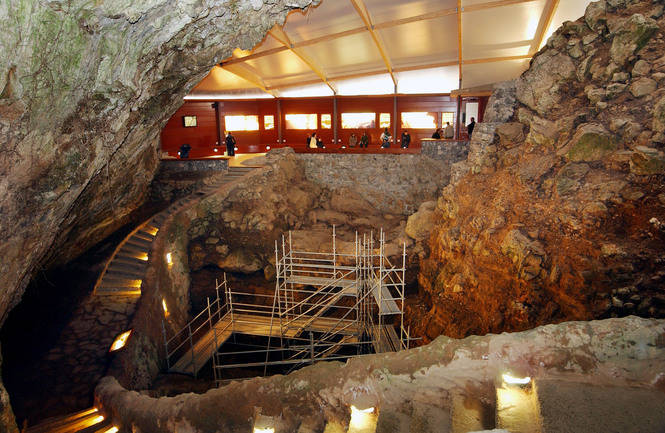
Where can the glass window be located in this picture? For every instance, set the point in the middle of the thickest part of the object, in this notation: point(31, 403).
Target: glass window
point(241, 123)
point(447, 117)
point(384, 120)
point(326, 121)
point(301, 121)
point(189, 121)
point(358, 120)
point(269, 122)
point(419, 120)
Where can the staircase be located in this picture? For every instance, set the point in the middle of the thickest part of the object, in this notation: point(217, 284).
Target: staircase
point(124, 271)
point(85, 421)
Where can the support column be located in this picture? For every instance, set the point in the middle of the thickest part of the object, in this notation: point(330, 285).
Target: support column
point(459, 107)
point(218, 125)
point(334, 119)
point(394, 119)
point(279, 122)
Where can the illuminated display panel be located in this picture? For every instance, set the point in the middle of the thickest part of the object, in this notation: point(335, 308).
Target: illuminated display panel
point(326, 121)
point(419, 120)
point(358, 120)
point(242, 123)
point(447, 117)
point(189, 121)
point(269, 121)
point(384, 120)
point(301, 121)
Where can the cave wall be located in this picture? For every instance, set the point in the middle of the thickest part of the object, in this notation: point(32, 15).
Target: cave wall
point(558, 213)
point(85, 89)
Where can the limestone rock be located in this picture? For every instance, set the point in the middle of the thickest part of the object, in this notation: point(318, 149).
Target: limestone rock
point(501, 105)
point(542, 86)
point(420, 224)
point(591, 142)
point(510, 134)
point(642, 87)
point(596, 16)
point(641, 68)
point(647, 161)
point(631, 37)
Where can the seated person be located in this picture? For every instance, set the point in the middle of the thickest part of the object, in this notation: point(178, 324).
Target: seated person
point(406, 139)
point(386, 138)
point(353, 140)
point(312, 142)
point(449, 132)
point(437, 134)
point(184, 151)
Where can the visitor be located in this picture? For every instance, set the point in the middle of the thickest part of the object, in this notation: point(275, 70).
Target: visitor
point(319, 142)
point(449, 132)
point(364, 140)
point(353, 140)
point(313, 142)
point(230, 144)
point(386, 138)
point(184, 151)
point(437, 134)
point(470, 126)
point(406, 139)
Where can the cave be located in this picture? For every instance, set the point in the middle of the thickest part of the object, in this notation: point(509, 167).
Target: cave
point(316, 216)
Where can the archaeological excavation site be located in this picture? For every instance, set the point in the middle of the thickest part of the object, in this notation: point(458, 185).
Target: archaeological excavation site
point(332, 216)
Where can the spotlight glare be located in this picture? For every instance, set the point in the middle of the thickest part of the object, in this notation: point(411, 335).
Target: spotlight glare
point(511, 380)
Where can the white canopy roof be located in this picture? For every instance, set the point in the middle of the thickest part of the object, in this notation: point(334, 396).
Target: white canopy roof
point(356, 47)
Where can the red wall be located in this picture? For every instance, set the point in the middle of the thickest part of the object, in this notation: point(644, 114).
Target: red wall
point(202, 138)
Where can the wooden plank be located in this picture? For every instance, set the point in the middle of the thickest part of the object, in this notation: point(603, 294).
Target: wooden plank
point(544, 24)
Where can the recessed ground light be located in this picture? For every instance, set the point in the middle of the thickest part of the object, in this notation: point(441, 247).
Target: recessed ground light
point(361, 418)
point(267, 147)
point(264, 424)
point(216, 150)
point(113, 429)
point(166, 310)
point(120, 341)
point(515, 381)
point(142, 256)
point(169, 259)
point(235, 148)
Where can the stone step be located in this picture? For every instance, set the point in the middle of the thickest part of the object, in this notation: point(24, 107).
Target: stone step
point(127, 255)
point(117, 291)
point(129, 264)
point(115, 284)
point(97, 428)
point(126, 274)
point(140, 249)
point(138, 242)
point(144, 235)
point(67, 425)
point(59, 421)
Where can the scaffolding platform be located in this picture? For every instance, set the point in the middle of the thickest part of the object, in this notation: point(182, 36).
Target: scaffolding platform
point(325, 306)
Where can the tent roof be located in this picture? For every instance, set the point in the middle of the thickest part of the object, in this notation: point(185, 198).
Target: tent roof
point(354, 47)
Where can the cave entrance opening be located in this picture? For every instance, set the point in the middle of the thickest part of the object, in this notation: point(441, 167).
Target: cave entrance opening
point(325, 306)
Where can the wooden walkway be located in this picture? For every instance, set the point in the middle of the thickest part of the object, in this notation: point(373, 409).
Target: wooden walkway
point(249, 324)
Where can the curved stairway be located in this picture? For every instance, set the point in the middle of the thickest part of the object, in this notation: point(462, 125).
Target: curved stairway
point(123, 274)
point(116, 291)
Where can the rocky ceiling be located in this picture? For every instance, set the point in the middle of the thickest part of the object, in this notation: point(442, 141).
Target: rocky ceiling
point(85, 89)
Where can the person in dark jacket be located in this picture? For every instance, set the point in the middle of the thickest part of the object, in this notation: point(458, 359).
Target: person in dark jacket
point(470, 126)
point(437, 134)
point(406, 139)
point(364, 140)
point(230, 144)
point(184, 151)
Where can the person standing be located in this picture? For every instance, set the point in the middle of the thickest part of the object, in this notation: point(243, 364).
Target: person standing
point(449, 132)
point(386, 138)
point(364, 140)
point(406, 139)
point(230, 144)
point(470, 126)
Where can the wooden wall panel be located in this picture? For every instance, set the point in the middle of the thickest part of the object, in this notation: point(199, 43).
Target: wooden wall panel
point(203, 138)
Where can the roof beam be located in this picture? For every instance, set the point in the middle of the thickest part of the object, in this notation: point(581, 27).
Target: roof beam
point(281, 36)
point(405, 69)
point(360, 7)
point(243, 72)
point(544, 24)
point(459, 40)
point(387, 24)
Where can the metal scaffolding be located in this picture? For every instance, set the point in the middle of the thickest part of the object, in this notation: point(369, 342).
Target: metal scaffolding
point(326, 306)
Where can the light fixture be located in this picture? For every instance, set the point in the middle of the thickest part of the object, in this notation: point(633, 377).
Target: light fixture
point(235, 148)
point(120, 341)
point(216, 150)
point(113, 429)
point(508, 379)
point(169, 259)
point(166, 310)
point(264, 424)
point(267, 147)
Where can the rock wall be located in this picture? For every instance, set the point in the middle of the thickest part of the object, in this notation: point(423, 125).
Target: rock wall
point(84, 92)
point(559, 211)
point(619, 352)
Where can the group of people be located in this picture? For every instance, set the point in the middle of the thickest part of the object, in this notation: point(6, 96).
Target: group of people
point(386, 138)
point(449, 132)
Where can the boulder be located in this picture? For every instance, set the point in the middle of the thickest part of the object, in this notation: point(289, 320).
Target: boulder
point(631, 37)
point(642, 87)
point(569, 177)
point(591, 142)
point(596, 16)
point(541, 87)
point(646, 161)
point(501, 105)
point(510, 134)
point(658, 124)
point(641, 68)
point(420, 224)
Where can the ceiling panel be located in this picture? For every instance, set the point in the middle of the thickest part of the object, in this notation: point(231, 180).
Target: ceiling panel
point(350, 54)
point(330, 16)
point(304, 91)
point(370, 85)
point(268, 43)
point(220, 79)
point(422, 42)
point(488, 73)
point(436, 80)
point(501, 31)
point(388, 10)
point(279, 66)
